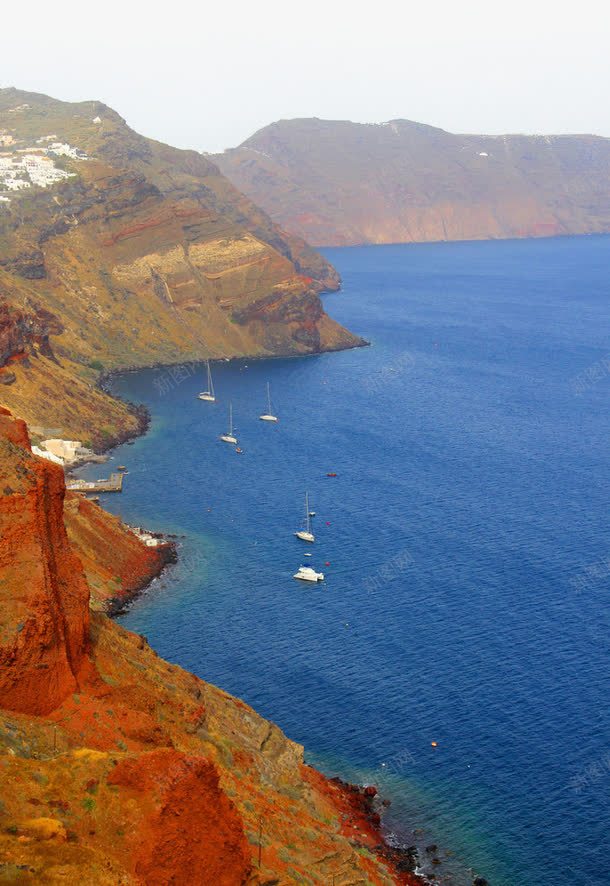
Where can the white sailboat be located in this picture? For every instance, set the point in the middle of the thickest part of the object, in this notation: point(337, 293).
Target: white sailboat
point(209, 393)
point(306, 534)
point(229, 436)
point(268, 416)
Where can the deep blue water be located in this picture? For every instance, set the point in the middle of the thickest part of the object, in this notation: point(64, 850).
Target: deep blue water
point(467, 533)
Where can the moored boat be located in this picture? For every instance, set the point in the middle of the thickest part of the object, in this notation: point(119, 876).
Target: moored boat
point(209, 393)
point(268, 416)
point(229, 437)
point(306, 534)
point(306, 573)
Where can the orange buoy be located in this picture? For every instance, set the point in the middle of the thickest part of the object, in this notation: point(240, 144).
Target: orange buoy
point(434, 744)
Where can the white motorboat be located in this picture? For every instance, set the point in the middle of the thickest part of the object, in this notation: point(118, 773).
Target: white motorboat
point(268, 416)
point(229, 437)
point(306, 534)
point(209, 394)
point(306, 573)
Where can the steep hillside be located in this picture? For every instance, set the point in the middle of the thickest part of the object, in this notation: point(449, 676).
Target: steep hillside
point(134, 253)
point(54, 392)
point(339, 183)
point(116, 563)
point(119, 769)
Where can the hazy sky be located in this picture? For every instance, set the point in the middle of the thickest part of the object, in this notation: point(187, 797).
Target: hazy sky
point(207, 76)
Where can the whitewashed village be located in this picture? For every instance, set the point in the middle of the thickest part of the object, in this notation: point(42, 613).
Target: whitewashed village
point(28, 166)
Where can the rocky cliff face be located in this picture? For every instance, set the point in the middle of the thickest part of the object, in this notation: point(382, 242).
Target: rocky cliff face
point(119, 769)
point(142, 254)
point(338, 183)
point(44, 621)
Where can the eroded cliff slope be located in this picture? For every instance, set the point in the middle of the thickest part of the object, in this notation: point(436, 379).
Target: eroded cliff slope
point(133, 253)
point(120, 769)
point(338, 183)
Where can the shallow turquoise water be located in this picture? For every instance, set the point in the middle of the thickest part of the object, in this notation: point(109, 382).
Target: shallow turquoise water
point(466, 599)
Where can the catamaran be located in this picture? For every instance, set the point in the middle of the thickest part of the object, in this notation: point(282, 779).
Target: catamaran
point(229, 436)
point(306, 573)
point(209, 394)
point(268, 416)
point(306, 534)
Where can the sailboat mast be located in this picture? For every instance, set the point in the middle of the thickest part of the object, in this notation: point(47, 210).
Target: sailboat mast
point(307, 511)
point(268, 399)
point(230, 419)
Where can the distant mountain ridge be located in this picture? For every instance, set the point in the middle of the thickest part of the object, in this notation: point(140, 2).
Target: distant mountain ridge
point(338, 183)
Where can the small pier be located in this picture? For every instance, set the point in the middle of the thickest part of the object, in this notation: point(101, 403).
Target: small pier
point(113, 484)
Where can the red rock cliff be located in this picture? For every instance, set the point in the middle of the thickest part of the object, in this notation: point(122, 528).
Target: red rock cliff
point(44, 621)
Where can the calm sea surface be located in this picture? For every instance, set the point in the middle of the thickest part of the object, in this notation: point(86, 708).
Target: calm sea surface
point(465, 541)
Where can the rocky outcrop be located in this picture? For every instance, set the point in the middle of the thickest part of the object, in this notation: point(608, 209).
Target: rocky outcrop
point(23, 333)
point(29, 265)
point(120, 769)
point(337, 183)
point(45, 605)
point(289, 307)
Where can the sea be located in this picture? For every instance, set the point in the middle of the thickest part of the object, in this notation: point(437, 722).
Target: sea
point(457, 652)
